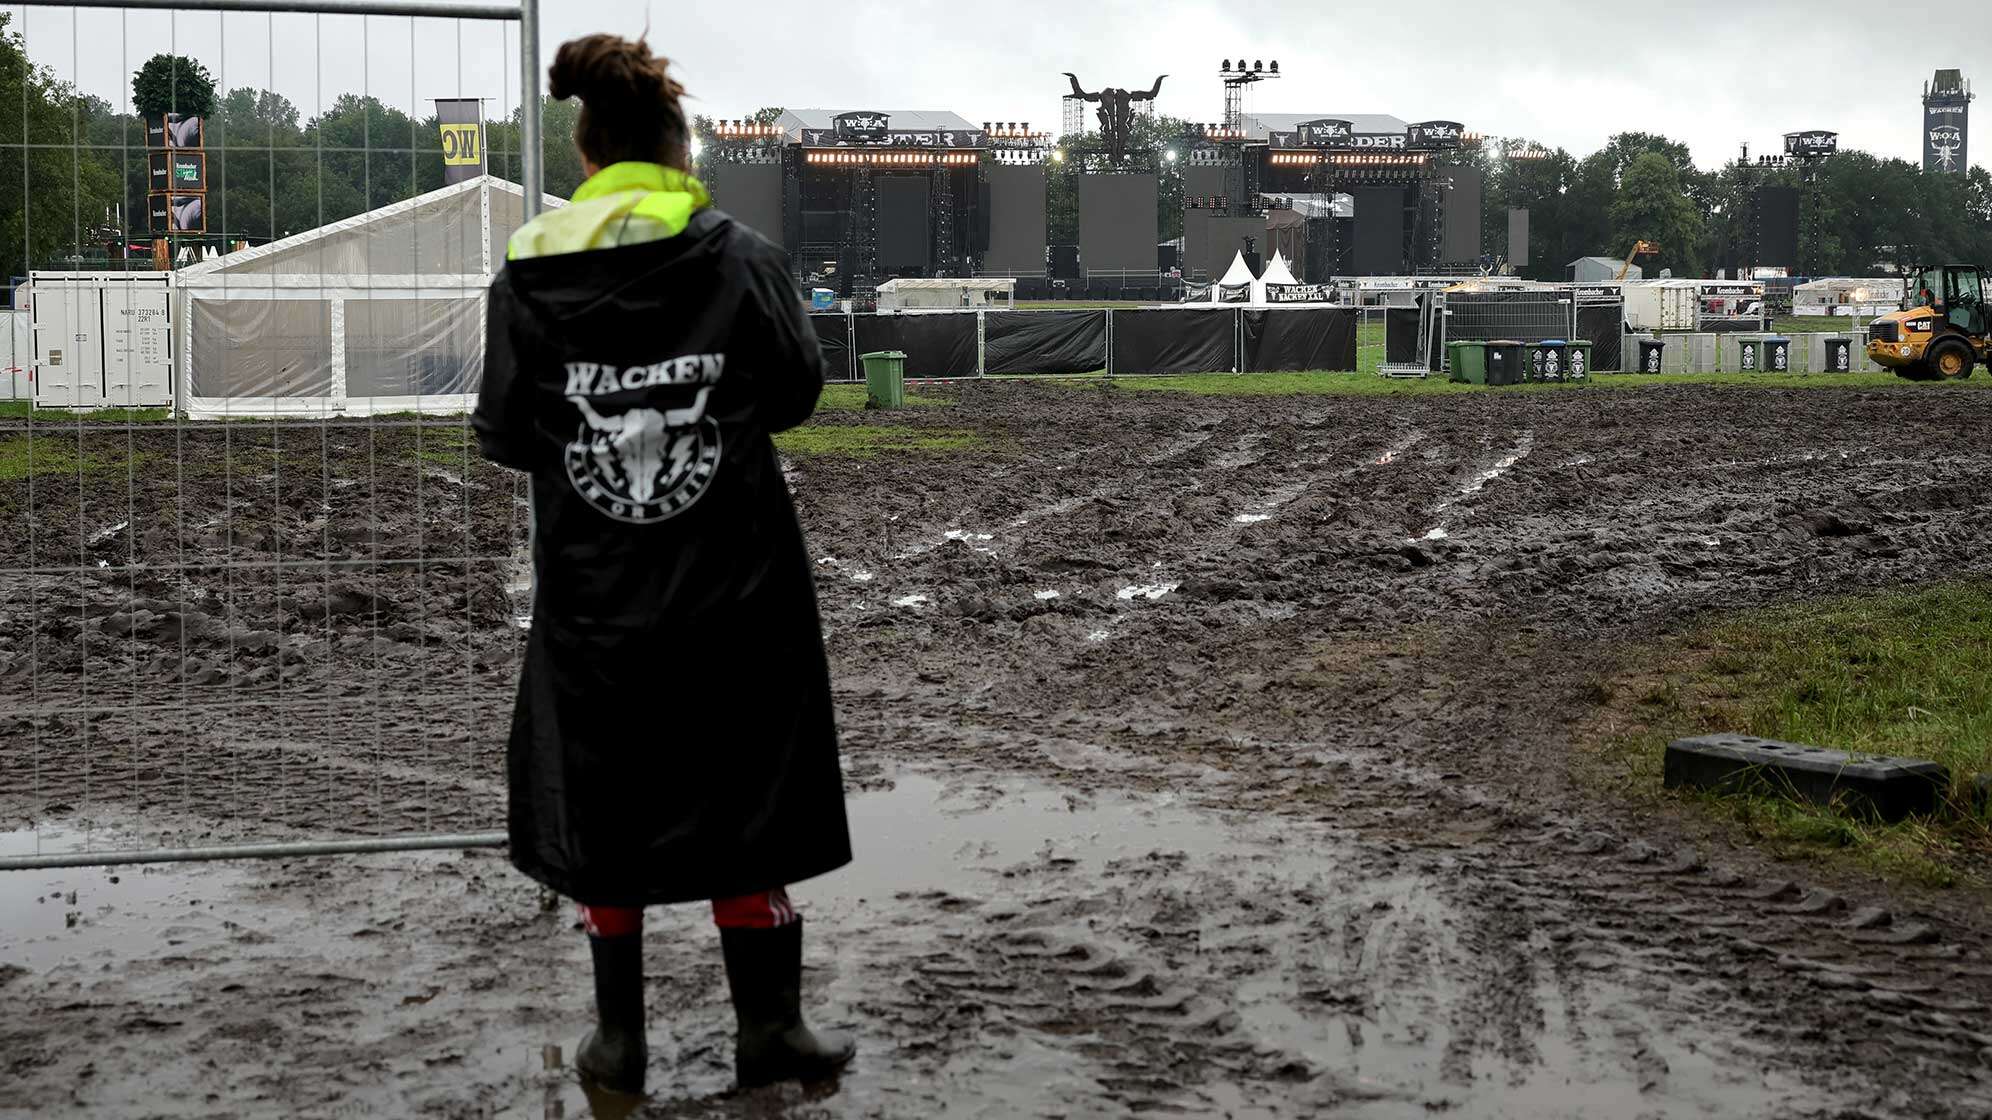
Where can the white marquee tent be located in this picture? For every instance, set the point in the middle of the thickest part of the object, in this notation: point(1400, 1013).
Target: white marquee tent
point(383, 312)
point(1239, 275)
point(1277, 272)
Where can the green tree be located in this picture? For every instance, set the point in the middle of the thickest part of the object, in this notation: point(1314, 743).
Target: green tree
point(58, 194)
point(171, 83)
point(1650, 203)
point(255, 166)
point(1540, 185)
point(561, 164)
point(371, 154)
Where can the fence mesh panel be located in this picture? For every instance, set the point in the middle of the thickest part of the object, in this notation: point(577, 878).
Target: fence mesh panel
point(281, 623)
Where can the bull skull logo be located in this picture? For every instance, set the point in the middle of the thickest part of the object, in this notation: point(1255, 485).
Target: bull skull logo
point(1945, 141)
point(643, 465)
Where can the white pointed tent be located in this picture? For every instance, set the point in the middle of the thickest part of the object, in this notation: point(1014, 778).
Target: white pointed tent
point(1239, 275)
point(382, 312)
point(1278, 272)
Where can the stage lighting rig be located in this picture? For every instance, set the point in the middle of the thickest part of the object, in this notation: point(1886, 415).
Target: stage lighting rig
point(1237, 75)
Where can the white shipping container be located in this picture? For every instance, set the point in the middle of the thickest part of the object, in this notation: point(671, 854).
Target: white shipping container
point(1660, 305)
point(17, 355)
point(102, 340)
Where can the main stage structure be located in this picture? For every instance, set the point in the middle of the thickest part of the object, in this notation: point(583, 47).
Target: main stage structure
point(859, 197)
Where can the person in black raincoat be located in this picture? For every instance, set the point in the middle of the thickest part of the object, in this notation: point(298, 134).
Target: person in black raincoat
point(673, 738)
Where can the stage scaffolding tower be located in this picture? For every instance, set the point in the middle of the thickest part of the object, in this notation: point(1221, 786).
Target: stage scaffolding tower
point(1237, 78)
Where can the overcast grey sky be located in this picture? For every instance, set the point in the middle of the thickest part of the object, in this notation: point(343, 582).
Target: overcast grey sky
point(1569, 73)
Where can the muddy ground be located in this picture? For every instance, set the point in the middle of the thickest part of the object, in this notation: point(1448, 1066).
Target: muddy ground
point(1207, 756)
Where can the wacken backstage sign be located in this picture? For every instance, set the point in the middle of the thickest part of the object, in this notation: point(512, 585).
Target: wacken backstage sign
point(866, 130)
point(1428, 135)
point(1299, 293)
point(1809, 145)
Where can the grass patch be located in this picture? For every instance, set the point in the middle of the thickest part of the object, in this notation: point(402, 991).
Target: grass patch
point(23, 457)
point(449, 448)
point(26, 410)
point(851, 398)
point(865, 441)
point(1903, 673)
point(1818, 324)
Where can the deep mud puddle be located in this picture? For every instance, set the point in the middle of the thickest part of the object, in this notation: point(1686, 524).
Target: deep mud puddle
point(1002, 947)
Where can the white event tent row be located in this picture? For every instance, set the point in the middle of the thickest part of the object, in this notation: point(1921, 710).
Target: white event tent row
point(381, 312)
point(1239, 276)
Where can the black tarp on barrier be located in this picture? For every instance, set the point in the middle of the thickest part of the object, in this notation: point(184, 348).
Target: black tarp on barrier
point(1600, 325)
point(832, 334)
point(1044, 341)
point(1171, 340)
point(1299, 338)
point(935, 345)
point(1400, 335)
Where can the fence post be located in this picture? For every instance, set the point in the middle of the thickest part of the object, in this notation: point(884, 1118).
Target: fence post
point(1440, 330)
point(1110, 343)
point(532, 147)
point(981, 343)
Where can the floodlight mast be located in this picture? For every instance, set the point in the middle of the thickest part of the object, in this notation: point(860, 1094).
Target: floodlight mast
point(1236, 76)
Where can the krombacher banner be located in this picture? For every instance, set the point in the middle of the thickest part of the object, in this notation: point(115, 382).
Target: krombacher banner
point(176, 174)
point(176, 170)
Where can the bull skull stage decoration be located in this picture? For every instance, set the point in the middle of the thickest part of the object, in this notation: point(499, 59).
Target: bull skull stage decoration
point(1116, 113)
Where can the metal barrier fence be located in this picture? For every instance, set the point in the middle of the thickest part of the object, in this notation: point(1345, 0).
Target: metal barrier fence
point(270, 636)
point(1115, 342)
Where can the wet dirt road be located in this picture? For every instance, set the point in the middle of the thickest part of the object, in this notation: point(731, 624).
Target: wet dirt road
point(1208, 757)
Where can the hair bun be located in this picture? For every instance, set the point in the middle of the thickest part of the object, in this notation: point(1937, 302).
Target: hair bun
point(604, 67)
point(629, 102)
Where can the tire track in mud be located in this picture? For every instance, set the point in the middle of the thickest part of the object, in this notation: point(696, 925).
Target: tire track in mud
point(1564, 932)
point(1398, 906)
point(1477, 936)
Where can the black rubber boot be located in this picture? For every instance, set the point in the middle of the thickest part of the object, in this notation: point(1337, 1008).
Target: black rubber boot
point(764, 968)
point(614, 1054)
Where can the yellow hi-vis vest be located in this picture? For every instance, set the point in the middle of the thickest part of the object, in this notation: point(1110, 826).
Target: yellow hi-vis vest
point(622, 204)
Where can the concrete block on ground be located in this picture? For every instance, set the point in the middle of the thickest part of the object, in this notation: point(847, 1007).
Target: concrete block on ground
point(1888, 788)
point(1863, 363)
point(1703, 355)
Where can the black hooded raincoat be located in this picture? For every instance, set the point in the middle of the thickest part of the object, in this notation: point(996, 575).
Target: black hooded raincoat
point(673, 738)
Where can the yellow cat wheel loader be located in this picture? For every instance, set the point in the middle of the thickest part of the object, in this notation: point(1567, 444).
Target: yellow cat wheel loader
point(1943, 331)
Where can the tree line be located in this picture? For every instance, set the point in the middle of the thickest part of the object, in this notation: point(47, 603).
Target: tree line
point(1859, 214)
point(274, 171)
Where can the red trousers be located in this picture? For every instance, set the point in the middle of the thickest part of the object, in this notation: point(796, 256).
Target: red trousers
point(765, 910)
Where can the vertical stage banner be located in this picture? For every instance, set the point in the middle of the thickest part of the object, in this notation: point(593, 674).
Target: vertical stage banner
point(461, 121)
